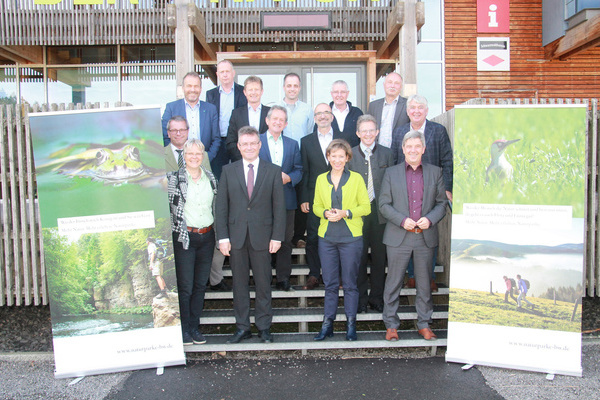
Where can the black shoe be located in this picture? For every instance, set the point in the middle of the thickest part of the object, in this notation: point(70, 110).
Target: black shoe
point(197, 337)
point(265, 336)
point(220, 287)
point(187, 339)
point(362, 308)
point(326, 330)
point(284, 285)
point(351, 329)
point(239, 336)
point(376, 307)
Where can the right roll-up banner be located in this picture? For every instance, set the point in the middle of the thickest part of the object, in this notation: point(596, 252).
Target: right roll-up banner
point(517, 267)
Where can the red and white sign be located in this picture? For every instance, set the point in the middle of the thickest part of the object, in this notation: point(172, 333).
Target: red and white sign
point(493, 54)
point(493, 16)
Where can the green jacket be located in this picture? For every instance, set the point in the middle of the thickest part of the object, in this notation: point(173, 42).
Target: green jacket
point(354, 198)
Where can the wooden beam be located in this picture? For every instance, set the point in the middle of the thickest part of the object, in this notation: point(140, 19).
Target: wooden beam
point(23, 54)
point(298, 56)
point(197, 24)
point(394, 22)
point(576, 40)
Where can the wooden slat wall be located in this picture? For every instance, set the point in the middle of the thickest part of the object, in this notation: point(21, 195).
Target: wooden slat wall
point(578, 77)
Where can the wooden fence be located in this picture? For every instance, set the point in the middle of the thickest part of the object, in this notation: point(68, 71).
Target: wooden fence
point(23, 275)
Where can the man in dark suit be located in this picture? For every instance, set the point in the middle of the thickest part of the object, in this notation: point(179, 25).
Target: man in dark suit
point(226, 97)
point(201, 116)
point(389, 111)
point(413, 201)
point(371, 160)
point(345, 114)
point(284, 152)
point(250, 221)
point(438, 153)
point(254, 115)
point(177, 129)
point(314, 163)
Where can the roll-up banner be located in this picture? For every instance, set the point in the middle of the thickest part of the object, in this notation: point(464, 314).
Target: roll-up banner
point(516, 275)
point(107, 238)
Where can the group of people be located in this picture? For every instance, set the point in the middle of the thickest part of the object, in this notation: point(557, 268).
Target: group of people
point(520, 286)
point(247, 181)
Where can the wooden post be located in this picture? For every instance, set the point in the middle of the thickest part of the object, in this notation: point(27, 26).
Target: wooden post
point(184, 44)
point(408, 48)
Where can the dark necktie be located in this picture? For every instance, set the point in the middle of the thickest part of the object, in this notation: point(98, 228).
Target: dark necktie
point(180, 158)
point(250, 181)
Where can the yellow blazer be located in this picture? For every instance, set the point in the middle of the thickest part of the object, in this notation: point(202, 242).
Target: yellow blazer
point(354, 198)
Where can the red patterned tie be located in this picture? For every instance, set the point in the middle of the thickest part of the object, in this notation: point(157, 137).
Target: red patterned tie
point(250, 182)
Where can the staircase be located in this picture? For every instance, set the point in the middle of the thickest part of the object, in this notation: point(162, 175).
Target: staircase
point(297, 317)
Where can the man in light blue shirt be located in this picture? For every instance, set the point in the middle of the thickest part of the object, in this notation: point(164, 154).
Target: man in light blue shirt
point(300, 115)
point(300, 124)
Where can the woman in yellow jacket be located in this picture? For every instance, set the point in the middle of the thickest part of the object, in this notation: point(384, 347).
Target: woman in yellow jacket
point(341, 200)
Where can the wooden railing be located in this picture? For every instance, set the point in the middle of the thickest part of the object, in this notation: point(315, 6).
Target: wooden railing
point(23, 274)
point(68, 24)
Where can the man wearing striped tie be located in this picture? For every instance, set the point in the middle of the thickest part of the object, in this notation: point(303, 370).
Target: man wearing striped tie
point(371, 160)
point(177, 130)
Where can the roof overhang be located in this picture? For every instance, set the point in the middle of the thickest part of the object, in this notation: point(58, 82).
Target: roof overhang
point(582, 34)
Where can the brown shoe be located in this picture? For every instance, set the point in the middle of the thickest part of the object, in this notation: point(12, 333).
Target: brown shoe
point(311, 283)
point(411, 284)
point(391, 335)
point(433, 286)
point(427, 334)
point(301, 244)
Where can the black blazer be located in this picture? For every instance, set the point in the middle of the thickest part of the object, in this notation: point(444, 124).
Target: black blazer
point(239, 118)
point(313, 164)
point(263, 214)
point(213, 96)
point(381, 159)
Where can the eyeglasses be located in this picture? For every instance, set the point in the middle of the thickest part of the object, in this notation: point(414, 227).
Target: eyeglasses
point(318, 114)
point(178, 131)
point(369, 131)
point(249, 144)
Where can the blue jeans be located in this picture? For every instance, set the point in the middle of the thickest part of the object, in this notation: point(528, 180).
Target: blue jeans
point(345, 257)
point(192, 267)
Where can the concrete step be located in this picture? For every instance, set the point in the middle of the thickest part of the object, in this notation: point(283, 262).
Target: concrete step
point(299, 293)
point(304, 341)
point(315, 314)
point(302, 270)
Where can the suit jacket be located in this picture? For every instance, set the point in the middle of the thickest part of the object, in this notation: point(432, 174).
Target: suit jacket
point(438, 150)
point(291, 165)
point(400, 116)
point(349, 132)
point(213, 96)
point(313, 164)
point(264, 214)
point(172, 165)
point(393, 203)
point(209, 124)
point(381, 159)
point(239, 118)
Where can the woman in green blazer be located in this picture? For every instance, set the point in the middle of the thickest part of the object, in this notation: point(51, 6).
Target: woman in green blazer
point(341, 200)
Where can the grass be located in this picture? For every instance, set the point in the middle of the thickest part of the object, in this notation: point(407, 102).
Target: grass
point(478, 307)
point(548, 161)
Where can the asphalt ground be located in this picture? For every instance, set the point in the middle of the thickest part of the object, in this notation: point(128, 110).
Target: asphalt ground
point(409, 374)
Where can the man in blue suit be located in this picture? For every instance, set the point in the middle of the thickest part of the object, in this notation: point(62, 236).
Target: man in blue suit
point(284, 152)
point(202, 117)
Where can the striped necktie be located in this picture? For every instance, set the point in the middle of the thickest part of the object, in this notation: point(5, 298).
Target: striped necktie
point(180, 161)
point(370, 188)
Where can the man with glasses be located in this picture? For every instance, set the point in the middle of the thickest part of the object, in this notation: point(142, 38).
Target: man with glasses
point(371, 160)
point(202, 117)
point(177, 129)
point(314, 163)
point(345, 115)
point(250, 220)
